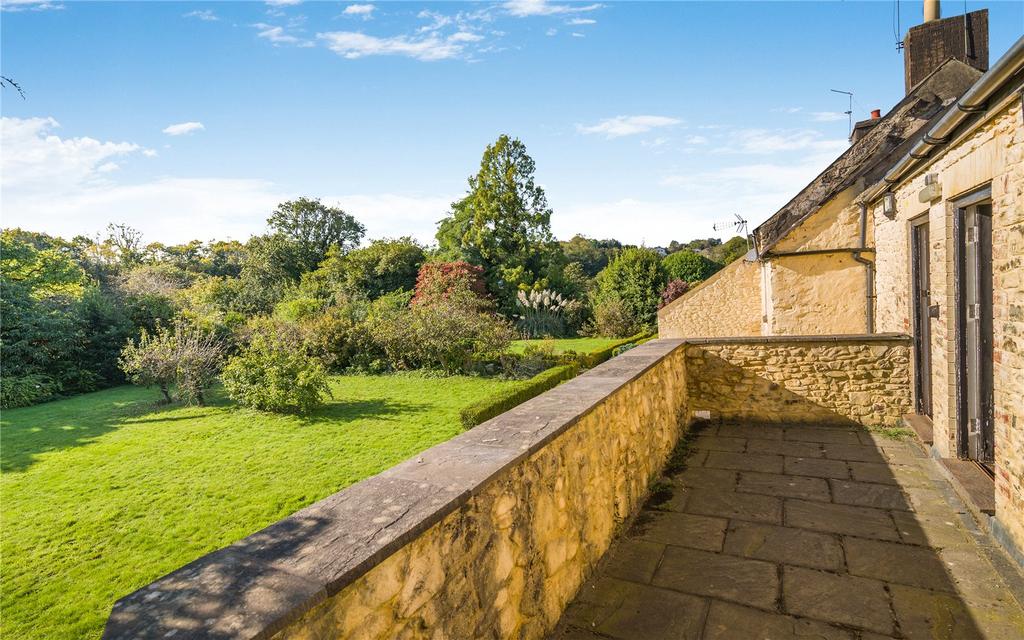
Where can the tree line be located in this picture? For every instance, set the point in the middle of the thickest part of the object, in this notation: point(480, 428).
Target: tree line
point(309, 297)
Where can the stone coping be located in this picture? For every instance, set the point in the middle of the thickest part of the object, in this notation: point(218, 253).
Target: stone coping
point(838, 338)
point(256, 586)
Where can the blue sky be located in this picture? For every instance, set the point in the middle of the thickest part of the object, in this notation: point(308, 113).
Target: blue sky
point(648, 121)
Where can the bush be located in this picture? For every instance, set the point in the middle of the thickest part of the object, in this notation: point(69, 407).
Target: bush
point(541, 314)
point(690, 266)
point(675, 289)
point(445, 335)
point(484, 410)
point(438, 281)
point(185, 356)
point(275, 374)
point(25, 391)
point(612, 319)
point(297, 309)
point(635, 279)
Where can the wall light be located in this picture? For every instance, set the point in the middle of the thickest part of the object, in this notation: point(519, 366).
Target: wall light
point(889, 205)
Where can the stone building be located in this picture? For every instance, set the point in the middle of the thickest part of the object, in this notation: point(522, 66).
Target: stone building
point(918, 228)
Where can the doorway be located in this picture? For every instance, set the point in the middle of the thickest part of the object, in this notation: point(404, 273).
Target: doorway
point(921, 296)
point(974, 330)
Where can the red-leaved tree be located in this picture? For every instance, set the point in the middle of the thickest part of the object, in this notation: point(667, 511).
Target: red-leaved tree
point(440, 280)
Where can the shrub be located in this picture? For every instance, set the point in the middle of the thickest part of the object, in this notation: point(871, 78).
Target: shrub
point(690, 266)
point(484, 410)
point(635, 279)
point(185, 356)
point(24, 391)
point(275, 374)
point(595, 358)
point(440, 280)
point(297, 309)
point(675, 289)
point(612, 319)
point(446, 334)
point(541, 313)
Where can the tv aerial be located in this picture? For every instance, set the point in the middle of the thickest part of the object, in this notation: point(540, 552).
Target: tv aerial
point(739, 225)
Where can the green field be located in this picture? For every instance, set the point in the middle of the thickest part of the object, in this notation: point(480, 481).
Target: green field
point(560, 345)
point(104, 492)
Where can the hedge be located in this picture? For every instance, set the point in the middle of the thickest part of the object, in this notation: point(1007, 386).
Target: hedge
point(591, 360)
point(484, 410)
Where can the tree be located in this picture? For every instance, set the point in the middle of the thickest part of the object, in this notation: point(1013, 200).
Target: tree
point(383, 266)
point(732, 249)
point(690, 266)
point(315, 228)
point(126, 244)
point(184, 356)
point(441, 280)
point(593, 255)
point(503, 223)
point(636, 279)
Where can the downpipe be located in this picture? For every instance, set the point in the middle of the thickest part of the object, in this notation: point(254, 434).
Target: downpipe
point(869, 271)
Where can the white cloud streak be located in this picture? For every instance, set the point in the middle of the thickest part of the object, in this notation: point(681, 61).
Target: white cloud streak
point(183, 128)
point(278, 37)
point(827, 116)
point(206, 15)
point(627, 125)
point(354, 44)
point(528, 8)
point(365, 11)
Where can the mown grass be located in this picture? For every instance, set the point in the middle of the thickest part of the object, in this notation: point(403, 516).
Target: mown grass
point(561, 345)
point(104, 492)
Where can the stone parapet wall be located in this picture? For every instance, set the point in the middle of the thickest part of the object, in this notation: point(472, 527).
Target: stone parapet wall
point(491, 534)
point(487, 535)
point(813, 379)
point(726, 304)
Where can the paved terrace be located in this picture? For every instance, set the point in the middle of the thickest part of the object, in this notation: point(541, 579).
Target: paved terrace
point(801, 532)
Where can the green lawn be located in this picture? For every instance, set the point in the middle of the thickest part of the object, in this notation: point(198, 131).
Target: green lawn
point(579, 345)
point(102, 493)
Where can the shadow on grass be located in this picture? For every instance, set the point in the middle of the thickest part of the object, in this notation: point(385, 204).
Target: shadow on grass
point(79, 421)
point(63, 424)
point(349, 411)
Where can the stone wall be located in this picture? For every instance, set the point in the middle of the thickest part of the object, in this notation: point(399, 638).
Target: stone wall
point(487, 535)
point(811, 379)
point(819, 294)
point(991, 155)
point(491, 534)
point(726, 304)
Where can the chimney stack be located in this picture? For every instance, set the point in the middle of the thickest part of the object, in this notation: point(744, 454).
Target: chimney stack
point(928, 45)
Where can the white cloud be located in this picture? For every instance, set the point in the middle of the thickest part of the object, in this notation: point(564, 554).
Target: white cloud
point(581, 21)
point(205, 15)
point(763, 141)
point(526, 8)
point(696, 140)
point(787, 109)
point(34, 158)
point(283, 3)
point(183, 128)
point(657, 142)
point(628, 125)
point(150, 153)
point(551, 32)
point(278, 37)
point(30, 5)
point(352, 45)
point(465, 36)
point(827, 116)
point(365, 11)
point(577, 34)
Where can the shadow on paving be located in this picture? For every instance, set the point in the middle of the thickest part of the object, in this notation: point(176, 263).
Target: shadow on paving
point(796, 531)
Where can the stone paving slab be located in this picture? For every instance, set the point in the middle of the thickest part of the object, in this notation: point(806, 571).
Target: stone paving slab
point(798, 532)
